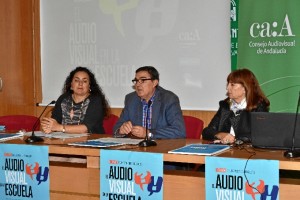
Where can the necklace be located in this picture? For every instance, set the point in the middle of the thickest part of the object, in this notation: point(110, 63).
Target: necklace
point(72, 112)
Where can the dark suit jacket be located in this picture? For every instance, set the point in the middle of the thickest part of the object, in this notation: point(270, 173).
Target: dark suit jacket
point(167, 120)
point(225, 118)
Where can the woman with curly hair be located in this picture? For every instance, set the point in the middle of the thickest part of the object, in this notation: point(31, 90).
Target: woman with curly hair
point(81, 107)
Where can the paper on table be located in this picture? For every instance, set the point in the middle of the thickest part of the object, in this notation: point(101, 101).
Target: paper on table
point(9, 136)
point(95, 143)
point(61, 135)
point(36, 133)
point(107, 142)
point(57, 135)
point(121, 140)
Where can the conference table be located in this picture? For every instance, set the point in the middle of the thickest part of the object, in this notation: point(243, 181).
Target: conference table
point(81, 180)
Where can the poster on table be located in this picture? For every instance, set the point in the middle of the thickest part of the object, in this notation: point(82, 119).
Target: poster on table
point(131, 175)
point(24, 172)
point(241, 179)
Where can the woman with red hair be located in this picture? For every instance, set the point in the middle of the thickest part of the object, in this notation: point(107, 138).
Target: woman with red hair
point(232, 120)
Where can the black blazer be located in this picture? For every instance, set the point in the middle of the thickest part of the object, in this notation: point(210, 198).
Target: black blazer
point(225, 118)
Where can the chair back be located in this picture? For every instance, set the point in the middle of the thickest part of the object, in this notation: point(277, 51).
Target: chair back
point(109, 122)
point(193, 127)
point(19, 122)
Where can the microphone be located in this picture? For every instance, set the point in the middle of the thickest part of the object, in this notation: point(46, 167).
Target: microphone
point(293, 153)
point(147, 142)
point(33, 138)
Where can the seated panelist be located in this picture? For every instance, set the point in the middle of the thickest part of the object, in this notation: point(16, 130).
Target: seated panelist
point(150, 106)
point(81, 108)
point(232, 120)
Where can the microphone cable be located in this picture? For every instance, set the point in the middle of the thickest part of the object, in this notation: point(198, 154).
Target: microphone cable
point(252, 153)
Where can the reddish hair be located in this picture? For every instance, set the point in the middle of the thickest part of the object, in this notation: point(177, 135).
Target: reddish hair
point(254, 93)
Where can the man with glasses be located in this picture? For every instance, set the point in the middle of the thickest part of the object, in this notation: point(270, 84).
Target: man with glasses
point(150, 109)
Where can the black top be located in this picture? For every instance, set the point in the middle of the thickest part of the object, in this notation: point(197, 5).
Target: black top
point(225, 118)
point(88, 112)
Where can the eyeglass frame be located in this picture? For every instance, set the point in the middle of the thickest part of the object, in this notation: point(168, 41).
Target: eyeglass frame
point(140, 81)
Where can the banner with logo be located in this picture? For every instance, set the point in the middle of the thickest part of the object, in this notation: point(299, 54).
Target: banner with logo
point(228, 178)
point(269, 45)
point(131, 175)
point(234, 8)
point(24, 172)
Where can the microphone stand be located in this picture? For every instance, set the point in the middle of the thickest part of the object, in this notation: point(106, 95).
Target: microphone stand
point(147, 142)
point(293, 153)
point(33, 138)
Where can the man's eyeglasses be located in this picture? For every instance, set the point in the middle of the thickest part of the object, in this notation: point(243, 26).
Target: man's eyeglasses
point(140, 81)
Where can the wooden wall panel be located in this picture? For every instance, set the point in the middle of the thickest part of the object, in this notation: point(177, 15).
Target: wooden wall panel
point(16, 53)
point(37, 52)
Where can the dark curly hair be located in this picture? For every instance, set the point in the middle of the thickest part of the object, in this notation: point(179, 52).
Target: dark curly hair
point(95, 89)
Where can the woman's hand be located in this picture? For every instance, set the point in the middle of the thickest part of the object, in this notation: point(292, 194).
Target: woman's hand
point(225, 138)
point(49, 124)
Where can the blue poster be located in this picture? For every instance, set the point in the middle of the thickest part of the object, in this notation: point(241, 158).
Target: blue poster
point(24, 172)
point(131, 175)
point(241, 179)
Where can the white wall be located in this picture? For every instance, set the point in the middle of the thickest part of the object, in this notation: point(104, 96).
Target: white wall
point(188, 41)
